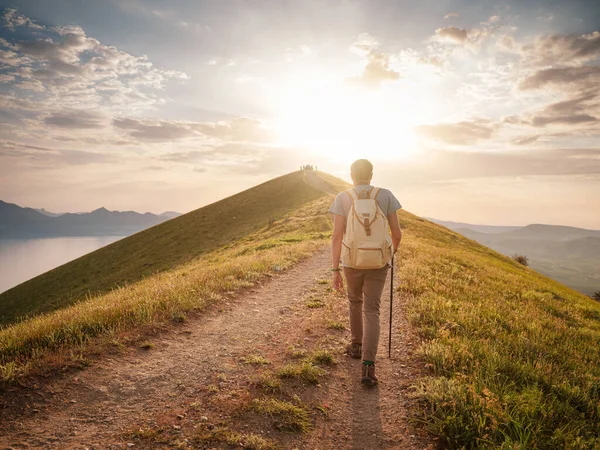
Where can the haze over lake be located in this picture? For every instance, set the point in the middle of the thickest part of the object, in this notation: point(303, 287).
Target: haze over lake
point(23, 259)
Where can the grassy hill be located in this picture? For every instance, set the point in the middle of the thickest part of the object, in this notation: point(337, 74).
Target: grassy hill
point(165, 246)
point(511, 358)
point(566, 254)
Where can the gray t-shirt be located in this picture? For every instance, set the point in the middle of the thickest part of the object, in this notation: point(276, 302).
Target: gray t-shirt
point(386, 200)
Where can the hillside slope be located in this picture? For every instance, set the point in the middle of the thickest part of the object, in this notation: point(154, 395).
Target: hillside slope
point(159, 248)
point(566, 254)
point(513, 356)
point(506, 357)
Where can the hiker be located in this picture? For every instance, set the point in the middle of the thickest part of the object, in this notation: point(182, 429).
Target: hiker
point(362, 242)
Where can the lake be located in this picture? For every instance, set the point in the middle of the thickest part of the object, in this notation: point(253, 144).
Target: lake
point(23, 259)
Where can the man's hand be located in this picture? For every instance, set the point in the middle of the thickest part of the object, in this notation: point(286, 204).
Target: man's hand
point(338, 282)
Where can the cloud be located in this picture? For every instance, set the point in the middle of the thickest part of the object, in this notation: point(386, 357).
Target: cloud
point(52, 158)
point(72, 70)
point(237, 158)
point(564, 64)
point(525, 140)
point(446, 166)
point(154, 130)
point(541, 162)
point(221, 153)
point(451, 15)
point(467, 132)
point(378, 68)
point(453, 33)
point(13, 19)
point(471, 38)
point(568, 77)
point(183, 157)
point(76, 119)
point(431, 60)
point(581, 110)
point(575, 119)
point(240, 129)
point(562, 49)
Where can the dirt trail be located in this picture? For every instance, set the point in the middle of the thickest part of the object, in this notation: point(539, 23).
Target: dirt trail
point(314, 180)
point(196, 373)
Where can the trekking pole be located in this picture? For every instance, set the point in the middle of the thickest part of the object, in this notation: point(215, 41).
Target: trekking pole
point(391, 308)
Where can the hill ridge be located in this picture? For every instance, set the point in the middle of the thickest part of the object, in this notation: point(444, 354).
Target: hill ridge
point(161, 247)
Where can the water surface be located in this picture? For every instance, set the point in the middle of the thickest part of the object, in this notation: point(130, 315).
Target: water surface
point(23, 259)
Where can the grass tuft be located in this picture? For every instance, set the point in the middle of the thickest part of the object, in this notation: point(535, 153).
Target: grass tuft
point(255, 360)
point(268, 382)
point(296, 353)
point(147, 345)
point(335, 325)
point(305, 371)
point(288, 371)
point(249, 441)
point(288, 417)
point(324, 357)
point(315, 304)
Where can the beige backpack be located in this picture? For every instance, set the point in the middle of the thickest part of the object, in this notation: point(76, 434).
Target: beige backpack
point(367, 243)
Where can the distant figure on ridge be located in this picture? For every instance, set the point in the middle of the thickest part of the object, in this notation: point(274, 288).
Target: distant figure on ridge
point(362, 242)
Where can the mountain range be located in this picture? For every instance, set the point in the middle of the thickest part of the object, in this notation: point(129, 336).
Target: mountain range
point(568, 254)
point(20, 222)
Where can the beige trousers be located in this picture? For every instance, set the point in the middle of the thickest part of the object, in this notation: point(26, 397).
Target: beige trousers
point(365, 287)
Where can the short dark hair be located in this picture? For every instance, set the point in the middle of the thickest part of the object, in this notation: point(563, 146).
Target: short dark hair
point(361, 170)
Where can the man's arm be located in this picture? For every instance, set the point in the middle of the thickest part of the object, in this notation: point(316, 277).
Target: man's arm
point(339, 224)
point(395, 229)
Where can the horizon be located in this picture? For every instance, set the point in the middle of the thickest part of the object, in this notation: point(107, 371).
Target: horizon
point(182, 213)
point(487, 113)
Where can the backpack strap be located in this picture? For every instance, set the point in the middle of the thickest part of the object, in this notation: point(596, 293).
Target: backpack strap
point(373, 193)
point(353, 195)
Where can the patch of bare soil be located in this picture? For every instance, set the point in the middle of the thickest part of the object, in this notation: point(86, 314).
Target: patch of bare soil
point(265, 369)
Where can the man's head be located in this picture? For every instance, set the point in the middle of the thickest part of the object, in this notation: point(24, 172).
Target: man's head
point(361, 172)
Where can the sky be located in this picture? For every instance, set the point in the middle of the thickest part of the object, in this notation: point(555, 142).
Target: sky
point(483, 112)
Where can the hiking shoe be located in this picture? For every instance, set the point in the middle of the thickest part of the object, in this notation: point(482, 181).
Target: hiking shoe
point(354, 350)
point(368, 375)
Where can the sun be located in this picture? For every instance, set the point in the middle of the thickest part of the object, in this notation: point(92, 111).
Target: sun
point(343, 122)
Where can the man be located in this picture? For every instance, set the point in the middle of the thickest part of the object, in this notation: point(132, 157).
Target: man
point(365, 286)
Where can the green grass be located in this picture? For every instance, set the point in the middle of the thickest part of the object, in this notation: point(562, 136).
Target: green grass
point(147, 345)
point(323, 357)
point(249, 441)
point(313, 304)
point(268, 382)
point(256, 360)
point(163, 247)
point(165, 297)
point(305, 371)
point(289, 417)
point(513, 357)
point(296, 353)
point(335, 325)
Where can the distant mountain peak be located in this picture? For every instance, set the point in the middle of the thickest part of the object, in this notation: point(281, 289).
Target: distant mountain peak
point(170, 214)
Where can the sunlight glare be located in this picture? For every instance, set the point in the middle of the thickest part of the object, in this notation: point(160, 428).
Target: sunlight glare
point(346, 122)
